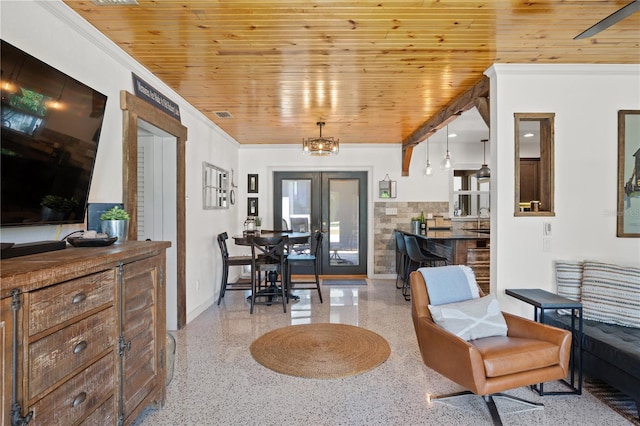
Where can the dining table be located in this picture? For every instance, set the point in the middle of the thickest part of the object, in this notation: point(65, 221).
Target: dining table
point(245, 239)
point(274, 236)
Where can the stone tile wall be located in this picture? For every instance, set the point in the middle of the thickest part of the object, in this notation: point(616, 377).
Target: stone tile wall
point(385, 221)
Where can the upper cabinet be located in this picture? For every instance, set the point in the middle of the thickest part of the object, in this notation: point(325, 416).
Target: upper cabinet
point(534, 169)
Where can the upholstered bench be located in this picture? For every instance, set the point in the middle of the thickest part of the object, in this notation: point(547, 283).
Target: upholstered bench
point(610, 295)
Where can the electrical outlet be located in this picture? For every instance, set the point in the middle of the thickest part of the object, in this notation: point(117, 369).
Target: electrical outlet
point(546, 244)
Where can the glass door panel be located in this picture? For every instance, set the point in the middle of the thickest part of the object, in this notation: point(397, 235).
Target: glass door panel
point(344, 212)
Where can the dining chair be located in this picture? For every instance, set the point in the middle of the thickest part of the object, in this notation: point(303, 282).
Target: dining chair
point(227, 261)
point(418, 258)
point(268, 256)
point(303, 259)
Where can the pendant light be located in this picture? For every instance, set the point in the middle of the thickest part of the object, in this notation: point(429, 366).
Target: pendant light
point(428, 170)
point(446, 161)
point(484, 173)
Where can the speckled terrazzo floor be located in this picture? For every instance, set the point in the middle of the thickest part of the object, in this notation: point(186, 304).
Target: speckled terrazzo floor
point(217, 382)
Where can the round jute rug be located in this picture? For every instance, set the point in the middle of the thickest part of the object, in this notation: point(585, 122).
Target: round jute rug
point(320, 351)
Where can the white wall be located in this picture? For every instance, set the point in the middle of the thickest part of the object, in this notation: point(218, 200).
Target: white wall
point(56, 35)
point(586, 100)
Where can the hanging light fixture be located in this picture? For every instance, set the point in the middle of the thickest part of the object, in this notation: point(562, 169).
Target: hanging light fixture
point(322, 145)
point(484, 173)
point(446, 161)
point(428, 170)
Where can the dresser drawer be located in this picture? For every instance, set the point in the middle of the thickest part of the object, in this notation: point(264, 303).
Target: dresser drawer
point(81, 394)
point(57, 355)
point(105, 414)
point(56, 304)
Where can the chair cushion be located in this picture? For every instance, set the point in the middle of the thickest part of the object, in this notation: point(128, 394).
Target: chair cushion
point(508, 355)
point(471, 319)
point(611, 293)
point(449, 284)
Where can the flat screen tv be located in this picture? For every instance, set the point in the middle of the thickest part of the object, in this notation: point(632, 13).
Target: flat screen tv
point(50, 131)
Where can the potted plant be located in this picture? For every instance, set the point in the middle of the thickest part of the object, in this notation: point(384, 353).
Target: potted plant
point(56, 207)
point(115, 223)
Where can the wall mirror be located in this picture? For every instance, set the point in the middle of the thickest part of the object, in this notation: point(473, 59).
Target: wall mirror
point(628, 216)
point(534, 169)
point(215, 187)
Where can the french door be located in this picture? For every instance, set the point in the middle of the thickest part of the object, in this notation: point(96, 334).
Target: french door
point(332, 202)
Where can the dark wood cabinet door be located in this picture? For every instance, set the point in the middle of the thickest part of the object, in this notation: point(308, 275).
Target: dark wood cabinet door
point(529, 179)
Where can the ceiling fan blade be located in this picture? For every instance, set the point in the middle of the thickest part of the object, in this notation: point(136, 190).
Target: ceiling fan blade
point(614, 18)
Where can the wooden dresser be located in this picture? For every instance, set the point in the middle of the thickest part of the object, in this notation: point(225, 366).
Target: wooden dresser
point(83, 334)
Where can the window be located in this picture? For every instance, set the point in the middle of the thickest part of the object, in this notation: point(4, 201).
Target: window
point(470, 197)
point(215, 187)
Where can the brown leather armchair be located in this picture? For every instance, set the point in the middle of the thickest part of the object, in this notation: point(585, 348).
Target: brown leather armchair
point(531, 353)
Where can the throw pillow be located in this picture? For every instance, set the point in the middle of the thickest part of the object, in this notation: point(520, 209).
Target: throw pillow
point(569, 281)
point(448, 284)
point(471, 319)
point(611, 293)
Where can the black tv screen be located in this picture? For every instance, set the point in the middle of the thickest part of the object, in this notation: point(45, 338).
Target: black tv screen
point(50, 131)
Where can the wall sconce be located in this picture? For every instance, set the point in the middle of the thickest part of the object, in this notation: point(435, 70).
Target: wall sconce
point(388, 188)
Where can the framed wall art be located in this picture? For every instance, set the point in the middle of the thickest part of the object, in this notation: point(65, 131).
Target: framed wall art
point(252, 185)
point(252, 206)
point(628, 212)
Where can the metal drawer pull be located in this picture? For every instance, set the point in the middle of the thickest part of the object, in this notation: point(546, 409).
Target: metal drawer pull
point(80, 347)
point(79, 399)
point(78, 298)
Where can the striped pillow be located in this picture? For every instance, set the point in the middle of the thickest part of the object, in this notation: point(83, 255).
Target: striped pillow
point(611, 293)
point(569, 281)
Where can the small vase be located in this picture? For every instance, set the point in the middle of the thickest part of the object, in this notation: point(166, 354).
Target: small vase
point(415, 227)
point(116, 228)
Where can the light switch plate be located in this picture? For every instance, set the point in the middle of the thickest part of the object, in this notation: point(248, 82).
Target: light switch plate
point(547, 229)
point(546, 244)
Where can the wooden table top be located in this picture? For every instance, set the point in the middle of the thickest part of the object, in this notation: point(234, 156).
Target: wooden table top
point(294, 237)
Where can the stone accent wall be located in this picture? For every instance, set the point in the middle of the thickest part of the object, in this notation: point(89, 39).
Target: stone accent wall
point(385, 221)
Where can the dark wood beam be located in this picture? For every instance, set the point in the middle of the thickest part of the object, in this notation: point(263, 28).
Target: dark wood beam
point(477, 96)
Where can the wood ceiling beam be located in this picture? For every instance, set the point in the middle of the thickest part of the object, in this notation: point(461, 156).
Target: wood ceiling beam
point(477, 96)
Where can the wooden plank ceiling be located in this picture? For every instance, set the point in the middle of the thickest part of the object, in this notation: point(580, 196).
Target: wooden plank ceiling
point(374, 71)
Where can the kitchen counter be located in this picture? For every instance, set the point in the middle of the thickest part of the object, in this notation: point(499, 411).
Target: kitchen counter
point(461, 247)
point(455, 235)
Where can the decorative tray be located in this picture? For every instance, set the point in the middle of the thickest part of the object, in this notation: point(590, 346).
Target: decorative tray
point(91, 242)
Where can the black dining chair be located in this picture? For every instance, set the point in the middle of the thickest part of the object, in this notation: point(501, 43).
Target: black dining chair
point(401, 259)
point(304, 259)
point(418, 257)
point(227, 261)
point(268, 256)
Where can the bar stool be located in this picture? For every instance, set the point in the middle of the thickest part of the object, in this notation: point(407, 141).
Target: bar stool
point(418, 258)
point(401, 259)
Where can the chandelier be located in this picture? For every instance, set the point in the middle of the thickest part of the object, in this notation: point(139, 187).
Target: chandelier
point(320, 145)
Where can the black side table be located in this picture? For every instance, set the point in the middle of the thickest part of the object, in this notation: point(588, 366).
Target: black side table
point(542, 300)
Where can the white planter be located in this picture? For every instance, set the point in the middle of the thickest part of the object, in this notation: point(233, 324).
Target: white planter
point(116, 228)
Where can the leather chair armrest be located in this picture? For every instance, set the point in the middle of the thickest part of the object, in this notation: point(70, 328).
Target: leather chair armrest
point(523, 327)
